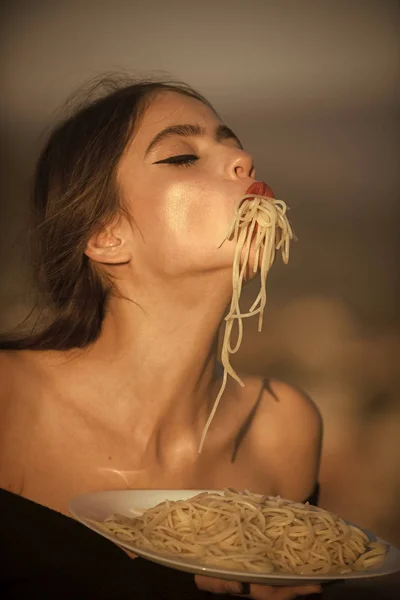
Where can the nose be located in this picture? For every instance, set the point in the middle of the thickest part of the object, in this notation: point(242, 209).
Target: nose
point(242, 166)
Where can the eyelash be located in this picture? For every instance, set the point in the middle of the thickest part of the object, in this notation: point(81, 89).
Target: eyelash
point(182, 160)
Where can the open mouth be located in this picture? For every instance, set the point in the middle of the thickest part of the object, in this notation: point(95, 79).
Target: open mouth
point(259, 188)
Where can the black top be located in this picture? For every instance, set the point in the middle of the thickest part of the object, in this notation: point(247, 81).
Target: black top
point(46, 555)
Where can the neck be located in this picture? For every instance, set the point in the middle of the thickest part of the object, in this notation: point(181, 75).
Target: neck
point(157, 353)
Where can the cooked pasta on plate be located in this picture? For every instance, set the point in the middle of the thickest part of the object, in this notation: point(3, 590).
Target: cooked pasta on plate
point(226, 533)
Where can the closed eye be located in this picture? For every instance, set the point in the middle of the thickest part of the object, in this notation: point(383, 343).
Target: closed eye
point(182, 160)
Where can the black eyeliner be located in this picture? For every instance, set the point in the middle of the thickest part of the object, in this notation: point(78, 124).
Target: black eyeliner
point(179, 159)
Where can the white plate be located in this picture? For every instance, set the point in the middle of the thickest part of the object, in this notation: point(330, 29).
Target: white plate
point(100, 505)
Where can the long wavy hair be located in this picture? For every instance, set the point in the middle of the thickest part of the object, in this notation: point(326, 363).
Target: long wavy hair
point(75, 192)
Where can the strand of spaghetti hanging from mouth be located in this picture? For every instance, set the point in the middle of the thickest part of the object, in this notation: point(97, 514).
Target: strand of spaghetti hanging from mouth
point(260, 222)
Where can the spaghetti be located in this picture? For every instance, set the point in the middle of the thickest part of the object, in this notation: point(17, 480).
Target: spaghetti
point(260, 225)
point(250, 532)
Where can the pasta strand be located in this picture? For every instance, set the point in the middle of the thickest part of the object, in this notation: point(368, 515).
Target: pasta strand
point(261, 223)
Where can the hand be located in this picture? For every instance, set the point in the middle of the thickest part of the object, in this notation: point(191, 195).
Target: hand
point(257, 591)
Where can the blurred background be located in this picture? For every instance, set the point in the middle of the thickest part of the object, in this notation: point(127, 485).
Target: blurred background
point(311, 88)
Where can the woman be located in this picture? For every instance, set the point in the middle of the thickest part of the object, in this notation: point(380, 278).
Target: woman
point(133, 195)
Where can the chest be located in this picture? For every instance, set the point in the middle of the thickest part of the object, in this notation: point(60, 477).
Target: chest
point(56, 468)
point(54, 475)
point(60, 455)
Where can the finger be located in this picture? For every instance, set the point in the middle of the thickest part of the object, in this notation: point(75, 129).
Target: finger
point(255, 591)
point(217, 586)
point(305, 590)
point(128, 552)
point(267, 592)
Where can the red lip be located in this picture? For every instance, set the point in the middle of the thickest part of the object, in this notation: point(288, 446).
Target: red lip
point(259, 188)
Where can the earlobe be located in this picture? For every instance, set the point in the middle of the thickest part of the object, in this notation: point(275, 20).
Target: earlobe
point(108, 246)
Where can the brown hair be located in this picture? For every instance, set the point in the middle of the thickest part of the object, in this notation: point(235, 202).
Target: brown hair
point(75, 192)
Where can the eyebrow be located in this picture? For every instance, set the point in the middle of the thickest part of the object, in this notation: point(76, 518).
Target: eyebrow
point(221, 133)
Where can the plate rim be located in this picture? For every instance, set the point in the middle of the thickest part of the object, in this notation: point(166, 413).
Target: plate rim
point(189, 567)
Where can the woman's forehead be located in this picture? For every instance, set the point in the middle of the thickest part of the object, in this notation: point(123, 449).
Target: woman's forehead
point(171, 108)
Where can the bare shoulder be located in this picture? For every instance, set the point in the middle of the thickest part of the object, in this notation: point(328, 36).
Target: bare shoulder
point(21, 374)
point(14, 377)
point(10, 369)
point(294, 407)
point(289, 405)
point(16, 386)
point(286, 434)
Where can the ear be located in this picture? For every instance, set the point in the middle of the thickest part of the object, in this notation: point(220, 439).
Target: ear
point(111, 244)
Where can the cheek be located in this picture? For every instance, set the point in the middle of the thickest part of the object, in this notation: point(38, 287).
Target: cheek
point(178, 208)
point(166, 215)
point(187, 221)
point(195, 209)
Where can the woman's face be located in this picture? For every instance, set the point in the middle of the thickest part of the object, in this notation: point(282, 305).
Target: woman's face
point(181, 186)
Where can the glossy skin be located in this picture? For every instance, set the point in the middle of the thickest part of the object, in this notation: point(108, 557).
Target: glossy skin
point(129, 410)
point(183, 210)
